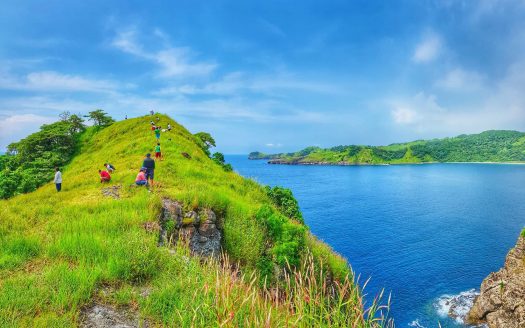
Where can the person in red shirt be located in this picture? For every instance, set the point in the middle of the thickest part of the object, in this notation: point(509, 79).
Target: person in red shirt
point(104, 176)
point(141, 178)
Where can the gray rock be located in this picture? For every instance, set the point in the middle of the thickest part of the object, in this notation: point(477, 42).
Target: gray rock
point(101, 316)
point(501, 302)
point(198, 230)
point(112, 191)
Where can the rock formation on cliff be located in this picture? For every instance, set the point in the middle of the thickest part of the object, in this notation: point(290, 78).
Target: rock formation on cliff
point(197, 228)
point(501, 302)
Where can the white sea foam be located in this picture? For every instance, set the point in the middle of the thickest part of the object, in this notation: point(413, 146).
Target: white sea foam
point(415, 323)
point(455, 306)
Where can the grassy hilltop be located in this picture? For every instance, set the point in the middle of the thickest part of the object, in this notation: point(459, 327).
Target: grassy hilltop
point(62, 252)
point(488, 146)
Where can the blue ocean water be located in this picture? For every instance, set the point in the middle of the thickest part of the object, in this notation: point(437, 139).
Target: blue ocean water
point(419, 231)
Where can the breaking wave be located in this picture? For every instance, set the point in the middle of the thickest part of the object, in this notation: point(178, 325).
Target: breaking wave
point(455, 306)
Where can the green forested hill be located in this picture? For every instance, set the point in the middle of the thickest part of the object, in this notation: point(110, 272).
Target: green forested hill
point(62, 253)
point(488, 146)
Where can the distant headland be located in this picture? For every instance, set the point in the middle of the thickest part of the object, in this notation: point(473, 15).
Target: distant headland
point(494, 146)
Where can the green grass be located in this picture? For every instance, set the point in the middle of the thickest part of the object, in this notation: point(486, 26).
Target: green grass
point(59, 251)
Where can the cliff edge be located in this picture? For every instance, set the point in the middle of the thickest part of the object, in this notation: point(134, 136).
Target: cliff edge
point(501, 302)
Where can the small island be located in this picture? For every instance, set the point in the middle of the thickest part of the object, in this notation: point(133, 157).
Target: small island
point(494, 146)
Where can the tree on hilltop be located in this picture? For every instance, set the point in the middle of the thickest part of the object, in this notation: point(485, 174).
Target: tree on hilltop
point(205, 141)
point(99, 118)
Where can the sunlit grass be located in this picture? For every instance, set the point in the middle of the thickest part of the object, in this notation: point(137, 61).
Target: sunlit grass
point(59, 250)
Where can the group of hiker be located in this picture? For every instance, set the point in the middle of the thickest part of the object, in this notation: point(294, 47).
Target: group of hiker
point(147, 171)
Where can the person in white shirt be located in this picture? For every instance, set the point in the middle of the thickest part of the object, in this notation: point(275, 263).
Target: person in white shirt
point(58, 179)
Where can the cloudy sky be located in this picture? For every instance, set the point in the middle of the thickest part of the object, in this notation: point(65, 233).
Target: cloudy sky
point(269, 75)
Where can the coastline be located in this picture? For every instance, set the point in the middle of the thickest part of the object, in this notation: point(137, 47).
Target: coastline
point(382, 164)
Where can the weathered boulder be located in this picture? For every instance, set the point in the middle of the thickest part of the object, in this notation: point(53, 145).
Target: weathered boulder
point(102, 316)
point(501, 302)
point(196, 228)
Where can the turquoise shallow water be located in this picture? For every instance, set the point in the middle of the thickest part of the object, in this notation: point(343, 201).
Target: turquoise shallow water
point(419, 231)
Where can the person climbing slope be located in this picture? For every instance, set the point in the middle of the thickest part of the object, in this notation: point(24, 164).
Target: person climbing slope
point(104, 176)
point(109, 167)
point(169, 127)
point(158, 154)
point(157, 133)
point(141, 177)
point(58, 179)
point(149, 164)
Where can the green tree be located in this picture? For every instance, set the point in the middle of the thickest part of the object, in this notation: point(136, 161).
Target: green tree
point(206, 138)
point(30, 162)
point(219, 159)
point(285, 201)
point(99, 118)
point(76, 123)
point(205, 141)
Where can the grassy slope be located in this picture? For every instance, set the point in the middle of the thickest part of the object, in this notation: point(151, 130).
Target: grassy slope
point(58, 251)
point(488, 146)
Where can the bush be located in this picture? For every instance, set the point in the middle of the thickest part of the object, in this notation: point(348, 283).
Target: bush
point(288, 238)
point(285, 201)
point(218, 158)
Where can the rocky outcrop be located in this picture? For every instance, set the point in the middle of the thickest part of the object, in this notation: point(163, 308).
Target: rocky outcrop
point(102, 316)
point(112, 191)
point(501, 302)
point(196, 228)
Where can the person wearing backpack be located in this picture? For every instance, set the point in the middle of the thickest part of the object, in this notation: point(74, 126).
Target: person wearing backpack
point(109, 167)
point(149, 164)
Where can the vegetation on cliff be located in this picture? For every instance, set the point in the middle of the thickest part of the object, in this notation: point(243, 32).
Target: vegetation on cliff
point(60, 252)
point(488, 146)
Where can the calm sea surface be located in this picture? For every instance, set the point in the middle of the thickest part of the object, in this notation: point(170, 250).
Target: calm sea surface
point(419, 231)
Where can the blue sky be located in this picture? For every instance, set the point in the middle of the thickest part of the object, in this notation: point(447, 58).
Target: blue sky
point(269, 75)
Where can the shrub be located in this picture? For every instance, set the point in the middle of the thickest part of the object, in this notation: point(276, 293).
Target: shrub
point(218, 158)
point(288, 238)
point(285, 201)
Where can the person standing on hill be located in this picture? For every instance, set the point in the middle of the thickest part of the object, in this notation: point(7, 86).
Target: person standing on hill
point(158, 154)
point(149, 164)
point(169, 127)
point(58, 179)
point(157, 133)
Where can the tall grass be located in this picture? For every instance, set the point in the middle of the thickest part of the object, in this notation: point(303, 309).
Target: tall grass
point(59, 250)
point(227, 297)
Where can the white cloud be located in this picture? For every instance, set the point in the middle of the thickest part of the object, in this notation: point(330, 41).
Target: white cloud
point(428, 49)
point(273, 145)
point(173, 61)
point(237, 82)
point(404, 115)
point(416, 110)
point(12, 128)
point(54, 81)
point(459, 79)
